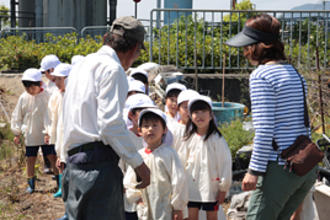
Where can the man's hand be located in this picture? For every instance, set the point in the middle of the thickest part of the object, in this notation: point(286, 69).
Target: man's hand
point(143, 175)
point(221, 197)
point(17, 140)
point(46, 139)
point(249, 182)
point(177, 215)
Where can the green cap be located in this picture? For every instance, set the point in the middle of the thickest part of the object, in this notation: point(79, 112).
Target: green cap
point(130, 27)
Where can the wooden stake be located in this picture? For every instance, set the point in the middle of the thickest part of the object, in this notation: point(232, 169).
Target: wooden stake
point(223, 79)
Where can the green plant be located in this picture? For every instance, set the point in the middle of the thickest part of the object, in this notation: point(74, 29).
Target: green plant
point(236, 136)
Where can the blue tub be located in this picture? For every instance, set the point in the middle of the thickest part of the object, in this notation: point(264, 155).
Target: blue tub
point(229, 112)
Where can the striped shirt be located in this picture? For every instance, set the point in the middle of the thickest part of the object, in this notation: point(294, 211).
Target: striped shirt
point(277, 111)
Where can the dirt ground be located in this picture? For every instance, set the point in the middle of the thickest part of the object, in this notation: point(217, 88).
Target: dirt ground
point(14, 202)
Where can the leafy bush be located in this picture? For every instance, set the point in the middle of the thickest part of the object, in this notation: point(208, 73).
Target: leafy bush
point(236, 136)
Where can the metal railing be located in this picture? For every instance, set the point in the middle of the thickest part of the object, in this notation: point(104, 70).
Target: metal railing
point(194, 39)
point(39, 34)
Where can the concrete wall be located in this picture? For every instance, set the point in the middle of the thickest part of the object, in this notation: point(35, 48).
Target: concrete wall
point(74, 13)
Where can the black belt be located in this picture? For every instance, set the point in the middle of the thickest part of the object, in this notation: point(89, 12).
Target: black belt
point(95, 152)
point(85, 147)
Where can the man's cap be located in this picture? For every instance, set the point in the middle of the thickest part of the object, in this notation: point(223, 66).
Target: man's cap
point(62, 70)
point(149, 66)
point(203, 98)
point(250, 36)
point(77, 59)
point(32, 74)
point(138, 100)
point(186, 95)
point(175, 85)
point(130, 27)
point(138, 71)
point(137, 86)
point(48, 62)
point(155, 111)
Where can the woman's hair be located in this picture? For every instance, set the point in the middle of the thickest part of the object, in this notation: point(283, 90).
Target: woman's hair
point(262, 52)
point(192, 128)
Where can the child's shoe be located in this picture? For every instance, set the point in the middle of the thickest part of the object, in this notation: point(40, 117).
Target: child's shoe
point(31, 184)
point(59, 185)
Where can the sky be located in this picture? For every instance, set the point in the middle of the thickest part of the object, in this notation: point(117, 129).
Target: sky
point(126, 7)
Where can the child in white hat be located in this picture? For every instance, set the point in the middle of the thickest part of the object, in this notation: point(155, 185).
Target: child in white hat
point(47, 66)
point(208, 162)
point(166, 196)
point(171, 95)
point(30, 119)
point(135, 86)
point(141, 75)
point(54, 134)
point(133, 106)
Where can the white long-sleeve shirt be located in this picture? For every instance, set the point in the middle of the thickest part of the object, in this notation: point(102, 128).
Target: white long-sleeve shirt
point(208, 167)
point(53, 110)
point(94, 102)
point(30, 118)
point(167, 190)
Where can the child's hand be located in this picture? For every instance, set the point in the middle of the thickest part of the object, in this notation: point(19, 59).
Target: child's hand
point(17, 140)
point(60, 165)
point(221, 197)
point(46, 139)
point(177, 215)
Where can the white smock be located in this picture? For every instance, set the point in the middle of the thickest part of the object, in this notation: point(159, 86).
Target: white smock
point(93, 105)
point(138, 141)
point(49, 86)
point(59, 146)
point(177, 129)
point(208, 167)
point(30, 118)
point(53, 109)
point(167, 190)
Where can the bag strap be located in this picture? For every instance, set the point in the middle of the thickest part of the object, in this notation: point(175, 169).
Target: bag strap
point(306, 117)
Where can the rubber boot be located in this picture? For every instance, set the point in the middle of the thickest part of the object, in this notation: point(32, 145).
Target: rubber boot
point(64, 217)
point(59, 185)
point(31, 184)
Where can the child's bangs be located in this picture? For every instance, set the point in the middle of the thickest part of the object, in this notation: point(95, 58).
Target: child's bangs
point(150, 116)
point(199, 105)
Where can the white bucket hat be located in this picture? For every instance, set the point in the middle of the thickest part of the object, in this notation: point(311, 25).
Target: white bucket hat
point(175, 85)
point(138, 101)
point(156, 111)
point(48, 62)
point(199, 98)
point(62, 70)
point(32, 74)
point(137, 86)
point(77, 59)
point(138, 71)
point(148, 66)
point(186, 95)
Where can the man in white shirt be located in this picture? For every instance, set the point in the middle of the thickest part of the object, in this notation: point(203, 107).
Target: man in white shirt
point(95, 133)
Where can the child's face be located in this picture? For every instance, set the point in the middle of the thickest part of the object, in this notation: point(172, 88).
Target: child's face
point(152, 132)
point(33, 90)
point(48, 76)
point(183, 111)
point(171, 103)
point(201, 118)
point(59, 82)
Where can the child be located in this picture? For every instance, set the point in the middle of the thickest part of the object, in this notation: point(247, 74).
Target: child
point(47, 66)
point(141, 75)
point(166, 196)
point(135, 86)
point(134, 105)
point(60, 74)
point(30, 118)
point(171, 94)
point(178, 128)
point(208, 165)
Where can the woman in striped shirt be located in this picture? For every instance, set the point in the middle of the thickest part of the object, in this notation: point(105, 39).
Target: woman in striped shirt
point(277, 101)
